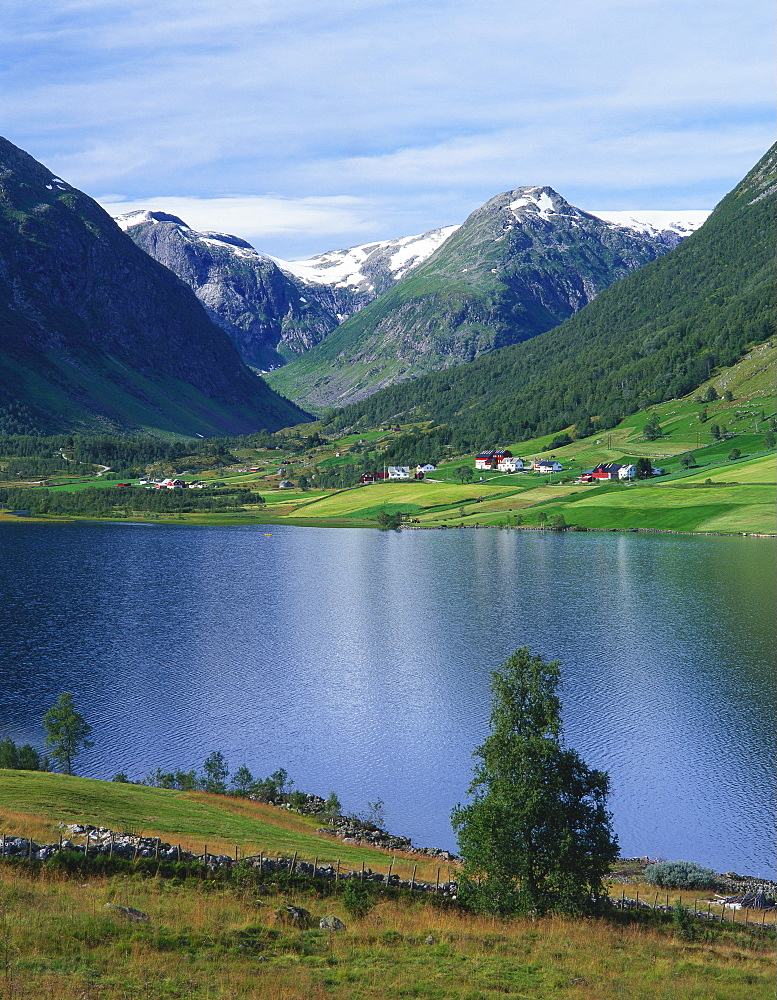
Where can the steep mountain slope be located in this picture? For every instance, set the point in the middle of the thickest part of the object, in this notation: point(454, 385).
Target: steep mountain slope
point(274, 310)
point(519, 265)
point(655, 335)
point(95, 333)
point(265, 312)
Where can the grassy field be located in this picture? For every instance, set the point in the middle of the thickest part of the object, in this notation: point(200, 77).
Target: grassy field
point(205, 940)
point(35, 803)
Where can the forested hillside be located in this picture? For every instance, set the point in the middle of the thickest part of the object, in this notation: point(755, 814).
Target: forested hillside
point(655, 335)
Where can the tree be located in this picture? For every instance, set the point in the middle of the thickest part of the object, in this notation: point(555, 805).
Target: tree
point(652, 429)
point(687, 460)
point(389, 522)
point(23, 758)
point(643, 468)
point(215, 773)
point(734, 454)
point(463, 473)
point(242, 781)
point(715, 431)
point(537, 835)
point(769, 439)
point(558, 522)
point(67, 732)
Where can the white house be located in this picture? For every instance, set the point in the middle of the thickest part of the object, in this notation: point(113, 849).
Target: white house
point(627, 472)
point(426, 468)
point(399, 472)
point(510, 465)
point(546, 465)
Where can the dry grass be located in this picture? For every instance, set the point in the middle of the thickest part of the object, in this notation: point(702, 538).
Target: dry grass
point(59, 941)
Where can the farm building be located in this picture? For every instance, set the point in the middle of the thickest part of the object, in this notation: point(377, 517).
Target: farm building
point(491, 459)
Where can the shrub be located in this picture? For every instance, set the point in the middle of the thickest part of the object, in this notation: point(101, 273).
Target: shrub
point(680, 875)
point(357, 898)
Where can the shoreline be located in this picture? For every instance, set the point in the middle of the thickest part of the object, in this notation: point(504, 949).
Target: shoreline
point(10, 517)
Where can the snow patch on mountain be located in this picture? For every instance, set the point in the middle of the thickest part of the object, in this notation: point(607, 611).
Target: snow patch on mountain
point(350, 268)
point(654, 221)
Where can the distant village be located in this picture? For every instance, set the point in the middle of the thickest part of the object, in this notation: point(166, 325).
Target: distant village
point(496, 460)
point(502, 460)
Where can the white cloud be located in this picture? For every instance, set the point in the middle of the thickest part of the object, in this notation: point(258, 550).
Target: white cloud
point(400, 103)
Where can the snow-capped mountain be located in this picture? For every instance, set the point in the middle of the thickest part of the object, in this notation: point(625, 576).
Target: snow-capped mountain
point(669, 225)
point(519, 265)
point(275, 309)
point(371, 267)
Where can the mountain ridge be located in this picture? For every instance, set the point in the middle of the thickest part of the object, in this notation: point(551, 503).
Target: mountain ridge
point(655, 335)
point(519, 265)
point(97, 334)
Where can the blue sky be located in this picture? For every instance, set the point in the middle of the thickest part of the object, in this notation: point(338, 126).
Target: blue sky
point(304, 126)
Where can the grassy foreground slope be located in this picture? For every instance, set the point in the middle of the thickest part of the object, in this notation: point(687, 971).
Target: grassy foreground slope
point(64, 938)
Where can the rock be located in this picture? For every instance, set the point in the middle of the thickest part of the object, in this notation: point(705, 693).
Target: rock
point(331, 924)
point(430, 940)
point(127, 911)
point(293, 916)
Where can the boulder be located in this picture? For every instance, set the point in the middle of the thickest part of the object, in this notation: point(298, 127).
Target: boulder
point(128, 912)
point(331, 924)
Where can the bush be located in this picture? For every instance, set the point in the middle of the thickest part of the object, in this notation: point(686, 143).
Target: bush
point(357, 898)
point(680, 875)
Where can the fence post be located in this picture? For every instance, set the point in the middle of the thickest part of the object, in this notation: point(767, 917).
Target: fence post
point(179, 853)
point(388, 877)
point(60, 840)
point(655, 900)
point(86, 849)
point(260, 864)
point(412, 880)
point(293, 863)
point(315, 866)
point(156, 848)
point(437, 883)
point(337, 872)
point(237, 852)
point(110, 847)
point(361, 876)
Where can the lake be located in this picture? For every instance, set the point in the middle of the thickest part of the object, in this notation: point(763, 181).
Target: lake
point(360, 662)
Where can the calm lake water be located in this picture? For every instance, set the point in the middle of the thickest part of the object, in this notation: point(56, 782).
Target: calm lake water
point(359, 661)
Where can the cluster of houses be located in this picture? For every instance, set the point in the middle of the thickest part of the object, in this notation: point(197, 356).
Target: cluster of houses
point(168, 484)
point(502, 460)
point(611, 470)
point(399, 472)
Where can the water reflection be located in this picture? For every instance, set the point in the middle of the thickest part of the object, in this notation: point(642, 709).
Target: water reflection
point(360, 662)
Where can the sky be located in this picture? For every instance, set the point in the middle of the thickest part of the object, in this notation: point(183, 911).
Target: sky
point(304, 126)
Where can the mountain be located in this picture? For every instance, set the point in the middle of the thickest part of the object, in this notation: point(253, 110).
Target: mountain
point(518, 266)
point(363, 273)
point(653, 336)
point(96, 334)
point(272, 309)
